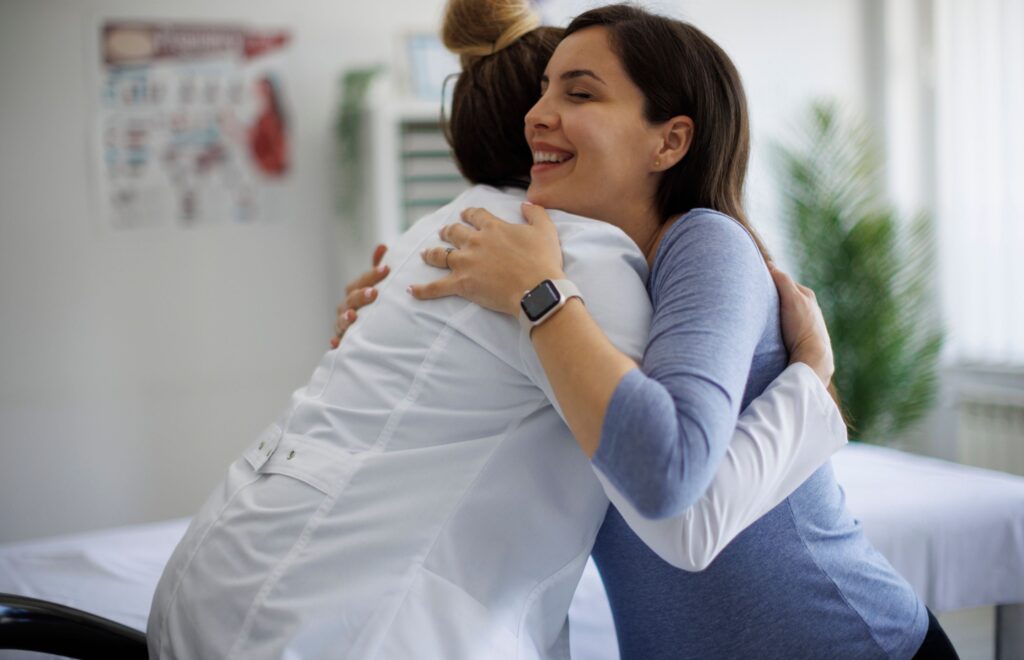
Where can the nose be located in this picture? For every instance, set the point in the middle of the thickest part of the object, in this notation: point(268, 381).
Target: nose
point(541, 116)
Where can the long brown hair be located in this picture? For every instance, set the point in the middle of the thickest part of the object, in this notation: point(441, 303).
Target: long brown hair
point(503, 56)
point(681, 71)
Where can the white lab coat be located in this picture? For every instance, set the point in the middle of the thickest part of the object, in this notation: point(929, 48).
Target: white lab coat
point(422, 498)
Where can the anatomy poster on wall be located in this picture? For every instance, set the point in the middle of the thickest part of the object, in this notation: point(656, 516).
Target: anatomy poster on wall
point(193, 127)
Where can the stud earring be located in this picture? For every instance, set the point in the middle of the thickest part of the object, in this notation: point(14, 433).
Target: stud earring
point(657, 163)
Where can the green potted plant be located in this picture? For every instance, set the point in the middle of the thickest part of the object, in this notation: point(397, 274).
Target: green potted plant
point(355, 86)
point(871, 270)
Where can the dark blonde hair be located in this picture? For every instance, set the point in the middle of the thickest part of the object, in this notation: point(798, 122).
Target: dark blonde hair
point(503, 54)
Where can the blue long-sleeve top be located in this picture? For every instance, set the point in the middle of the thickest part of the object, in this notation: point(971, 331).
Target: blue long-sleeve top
point(668, 426)
point(801, 582)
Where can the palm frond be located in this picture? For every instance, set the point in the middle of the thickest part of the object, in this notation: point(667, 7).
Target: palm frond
point(872, 272)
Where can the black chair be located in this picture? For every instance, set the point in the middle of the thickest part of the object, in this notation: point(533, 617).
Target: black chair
point(30, 624)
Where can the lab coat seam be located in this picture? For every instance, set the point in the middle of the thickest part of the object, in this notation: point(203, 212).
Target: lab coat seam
point(279, 570)
point(195, 550)
point(536, 592)
point(370, 310)
point(420, 564)
point(418, 380)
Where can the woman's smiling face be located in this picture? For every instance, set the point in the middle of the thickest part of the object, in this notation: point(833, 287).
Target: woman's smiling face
point(594, 150)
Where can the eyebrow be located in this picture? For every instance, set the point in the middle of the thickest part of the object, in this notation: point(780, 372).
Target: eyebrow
point(575, 73)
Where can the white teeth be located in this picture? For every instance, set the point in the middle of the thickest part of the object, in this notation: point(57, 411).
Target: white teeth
point(549, 157)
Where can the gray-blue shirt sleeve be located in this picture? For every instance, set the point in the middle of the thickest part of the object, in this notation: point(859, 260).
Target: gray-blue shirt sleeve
point(668, 425)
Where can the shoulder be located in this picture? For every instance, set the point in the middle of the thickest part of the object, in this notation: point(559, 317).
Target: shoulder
point(712, 249)
point(504, 203)
point(700, 230)
point(611, 272)
point(599, 244)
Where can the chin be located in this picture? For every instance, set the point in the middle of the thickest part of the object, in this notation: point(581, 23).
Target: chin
point(545, 197)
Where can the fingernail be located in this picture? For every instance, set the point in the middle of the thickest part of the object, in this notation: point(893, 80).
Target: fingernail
point(527, 203)
point(408, 289)
point(381, 268)
point(368, 292)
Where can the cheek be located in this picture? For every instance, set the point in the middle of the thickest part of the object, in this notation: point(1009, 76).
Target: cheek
point(616, 164)
point(614, 145)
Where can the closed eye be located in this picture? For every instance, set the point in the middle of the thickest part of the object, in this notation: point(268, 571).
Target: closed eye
point(583, 96)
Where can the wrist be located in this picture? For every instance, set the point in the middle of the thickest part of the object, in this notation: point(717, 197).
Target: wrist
point(545, 300)
point(563, 319)
point(819, 362)
point(529, 284)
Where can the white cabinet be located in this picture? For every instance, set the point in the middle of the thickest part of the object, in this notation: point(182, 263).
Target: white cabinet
point(410, 170)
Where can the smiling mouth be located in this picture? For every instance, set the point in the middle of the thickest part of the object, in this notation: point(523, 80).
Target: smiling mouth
point(550, 157)
point(546, 160)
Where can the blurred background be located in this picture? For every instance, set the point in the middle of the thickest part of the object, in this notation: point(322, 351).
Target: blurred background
point(186, 187)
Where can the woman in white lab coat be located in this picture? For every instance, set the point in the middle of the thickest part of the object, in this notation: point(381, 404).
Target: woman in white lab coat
point(421, 495)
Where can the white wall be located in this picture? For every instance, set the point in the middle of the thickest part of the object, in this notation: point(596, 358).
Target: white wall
point(134, 365)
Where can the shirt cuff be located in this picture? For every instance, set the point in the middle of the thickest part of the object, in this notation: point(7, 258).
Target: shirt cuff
point(823, 399)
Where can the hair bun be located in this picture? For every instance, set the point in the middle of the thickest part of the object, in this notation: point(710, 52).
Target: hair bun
point(477, 28)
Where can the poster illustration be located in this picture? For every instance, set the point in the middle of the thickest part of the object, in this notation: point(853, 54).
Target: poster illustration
point(193, 124)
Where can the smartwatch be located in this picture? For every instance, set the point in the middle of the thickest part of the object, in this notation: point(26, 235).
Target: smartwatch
point(540, 303)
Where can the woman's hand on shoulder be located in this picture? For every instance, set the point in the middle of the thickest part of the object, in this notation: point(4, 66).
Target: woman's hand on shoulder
point(359, 293)
point(803, 326)
point(493, 262)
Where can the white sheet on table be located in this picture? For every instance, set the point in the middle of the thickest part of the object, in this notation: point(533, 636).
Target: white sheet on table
point(111, 573)
point(955, 532)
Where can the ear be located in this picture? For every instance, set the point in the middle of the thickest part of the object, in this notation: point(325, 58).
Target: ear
point(676, 137)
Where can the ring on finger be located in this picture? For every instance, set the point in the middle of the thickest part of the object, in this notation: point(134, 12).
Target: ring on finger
point(447, 253)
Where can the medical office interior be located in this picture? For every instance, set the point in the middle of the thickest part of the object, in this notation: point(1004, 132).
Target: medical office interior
point(164, 287)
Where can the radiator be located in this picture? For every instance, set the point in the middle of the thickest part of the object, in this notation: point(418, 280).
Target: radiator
point(990, 431)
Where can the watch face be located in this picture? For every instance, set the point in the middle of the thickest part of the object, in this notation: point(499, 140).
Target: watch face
point(540, 300)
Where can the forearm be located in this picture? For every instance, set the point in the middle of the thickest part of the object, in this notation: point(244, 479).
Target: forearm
point(660, 452)
point(780, 440)
point(583, 367)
